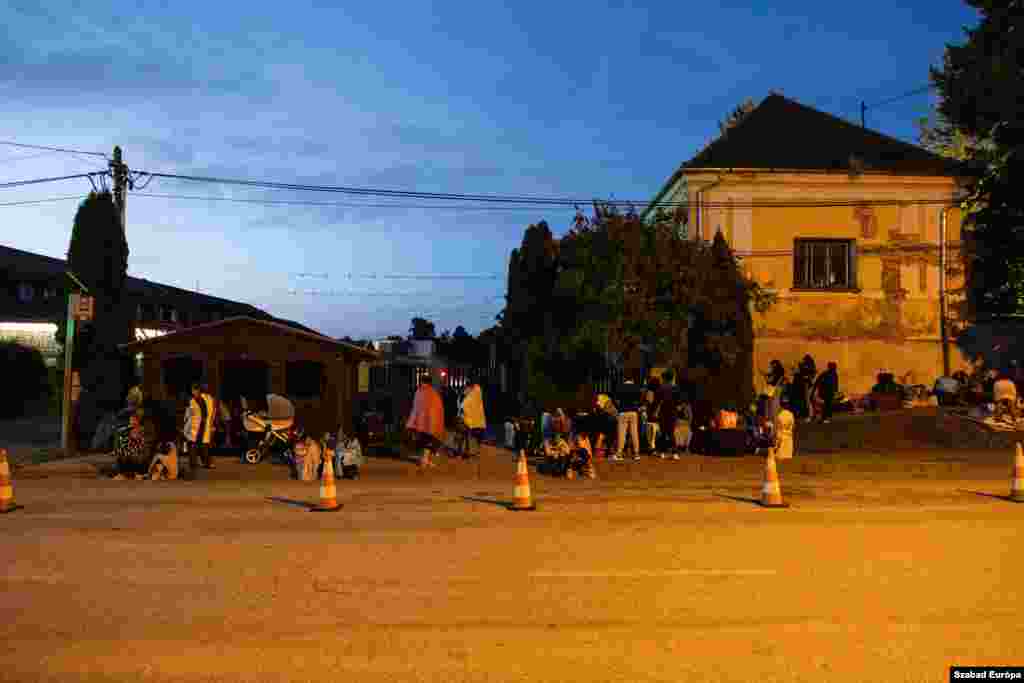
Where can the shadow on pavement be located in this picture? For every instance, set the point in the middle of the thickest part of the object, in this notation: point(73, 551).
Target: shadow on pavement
point(289, 501)
point(741, 499)
point(492, 501)
point(990, 495)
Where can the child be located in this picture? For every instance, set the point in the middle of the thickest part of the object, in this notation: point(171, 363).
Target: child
point(764, 435)
point(348, 456)
point(784, 435)
point(165, 463)
point(557, 452)
point(581, 459)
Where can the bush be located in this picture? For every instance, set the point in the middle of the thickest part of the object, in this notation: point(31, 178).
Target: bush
point(26, 378)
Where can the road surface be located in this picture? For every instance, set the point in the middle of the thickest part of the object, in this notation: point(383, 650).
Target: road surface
point(662, 575)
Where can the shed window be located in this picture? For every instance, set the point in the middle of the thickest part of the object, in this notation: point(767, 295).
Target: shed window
point(824, 264)
point(304, 379)
point(168, 314)
point(26, 292)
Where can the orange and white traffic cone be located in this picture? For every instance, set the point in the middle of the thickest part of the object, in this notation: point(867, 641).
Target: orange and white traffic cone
point(6, 489)
point(328, 490)
point(522, 500)
point(1017, 483)
point(771, 492)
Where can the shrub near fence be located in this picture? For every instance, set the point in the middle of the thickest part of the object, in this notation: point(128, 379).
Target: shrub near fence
point(26, 378)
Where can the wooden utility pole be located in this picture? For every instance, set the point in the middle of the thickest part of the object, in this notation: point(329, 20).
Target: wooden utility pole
point(863, 109)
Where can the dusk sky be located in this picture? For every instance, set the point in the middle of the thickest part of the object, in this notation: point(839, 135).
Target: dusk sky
point(564, 99)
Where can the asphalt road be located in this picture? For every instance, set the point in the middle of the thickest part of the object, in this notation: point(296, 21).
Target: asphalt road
point(662, 575)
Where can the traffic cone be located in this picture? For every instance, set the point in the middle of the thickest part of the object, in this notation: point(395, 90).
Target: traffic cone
point(1017, 484)
point(6, 490)
point(328, 490)
point(771, 492)
point(522, 500)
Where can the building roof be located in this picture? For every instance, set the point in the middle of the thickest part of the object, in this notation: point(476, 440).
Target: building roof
point(17, 264)
point(782, 134)
point(283, 326)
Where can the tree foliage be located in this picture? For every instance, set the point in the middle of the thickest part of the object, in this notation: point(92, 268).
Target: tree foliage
point(421, 328)
point(98, 256)
point(981, 119)
point(616, 283)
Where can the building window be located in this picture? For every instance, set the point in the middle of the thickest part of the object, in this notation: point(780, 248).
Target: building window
point(304, 379)
point(824, 264)
point(26, 292)
point(168, 314)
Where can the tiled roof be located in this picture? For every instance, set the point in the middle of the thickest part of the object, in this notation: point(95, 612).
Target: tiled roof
point(782, 134)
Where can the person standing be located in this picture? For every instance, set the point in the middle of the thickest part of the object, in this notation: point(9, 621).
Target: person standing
point(199, 419)
point(629, 396)
point(809, 369)
point(827, 386)
point(775, 379)
point(473, 417)
point(784, 435)
point(426, 420)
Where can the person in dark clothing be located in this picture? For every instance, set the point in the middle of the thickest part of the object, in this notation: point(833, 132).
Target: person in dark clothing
point(827, 387)
point(798, 391)
point(629, 397)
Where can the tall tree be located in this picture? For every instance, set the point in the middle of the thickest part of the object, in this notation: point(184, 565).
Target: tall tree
point(620, 283)
point(98, 256)
point(981, 119)
point(421, 328)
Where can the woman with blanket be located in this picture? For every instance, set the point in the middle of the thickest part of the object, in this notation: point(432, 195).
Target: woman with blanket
point(473, 419)
point(426, 421)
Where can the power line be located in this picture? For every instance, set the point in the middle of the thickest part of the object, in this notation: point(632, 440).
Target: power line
point(916, 91)
point(52, 149)
point(567, 202)
point(300, 202)
point(42, 201)
point(38, 181)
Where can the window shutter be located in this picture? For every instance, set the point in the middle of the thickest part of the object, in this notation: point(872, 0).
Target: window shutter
point(799, 264)
point(854, 279)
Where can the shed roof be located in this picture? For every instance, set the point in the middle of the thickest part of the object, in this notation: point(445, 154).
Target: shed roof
point(199, 330)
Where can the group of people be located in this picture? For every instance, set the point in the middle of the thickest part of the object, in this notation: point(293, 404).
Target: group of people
point(426, 422)
point(142, 451)
point(988, 393)
point(799, 389)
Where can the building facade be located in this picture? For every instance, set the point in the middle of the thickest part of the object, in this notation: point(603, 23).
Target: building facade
point(845, 226)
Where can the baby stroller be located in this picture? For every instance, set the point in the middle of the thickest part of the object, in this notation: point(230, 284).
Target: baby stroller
point(271, 432)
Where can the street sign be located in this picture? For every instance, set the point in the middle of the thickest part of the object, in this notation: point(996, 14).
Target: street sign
point(84, 307)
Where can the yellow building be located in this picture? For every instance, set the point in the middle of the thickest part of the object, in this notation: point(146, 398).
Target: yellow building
point(843, 225)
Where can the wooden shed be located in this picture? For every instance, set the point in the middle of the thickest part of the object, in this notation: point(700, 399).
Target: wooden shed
point(244, 356)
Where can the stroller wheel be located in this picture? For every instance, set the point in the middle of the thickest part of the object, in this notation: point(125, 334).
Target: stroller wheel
point(252, 456)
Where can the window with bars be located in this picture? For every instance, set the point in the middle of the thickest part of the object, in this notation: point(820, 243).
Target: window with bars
point(825, 264)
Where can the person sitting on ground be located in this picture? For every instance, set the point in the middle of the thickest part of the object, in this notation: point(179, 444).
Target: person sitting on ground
point(1004, 395)
point(560, 424)
point(946, 390)
point(581, 460)
point(165, 462)
point(130, 450)
point(557, 452)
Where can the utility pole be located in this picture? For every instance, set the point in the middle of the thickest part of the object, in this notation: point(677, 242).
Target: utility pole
point(942, 291)
point(863, 109)
point(119, 173)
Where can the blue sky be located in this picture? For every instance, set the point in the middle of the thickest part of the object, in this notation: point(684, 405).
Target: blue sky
point(555, 99)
